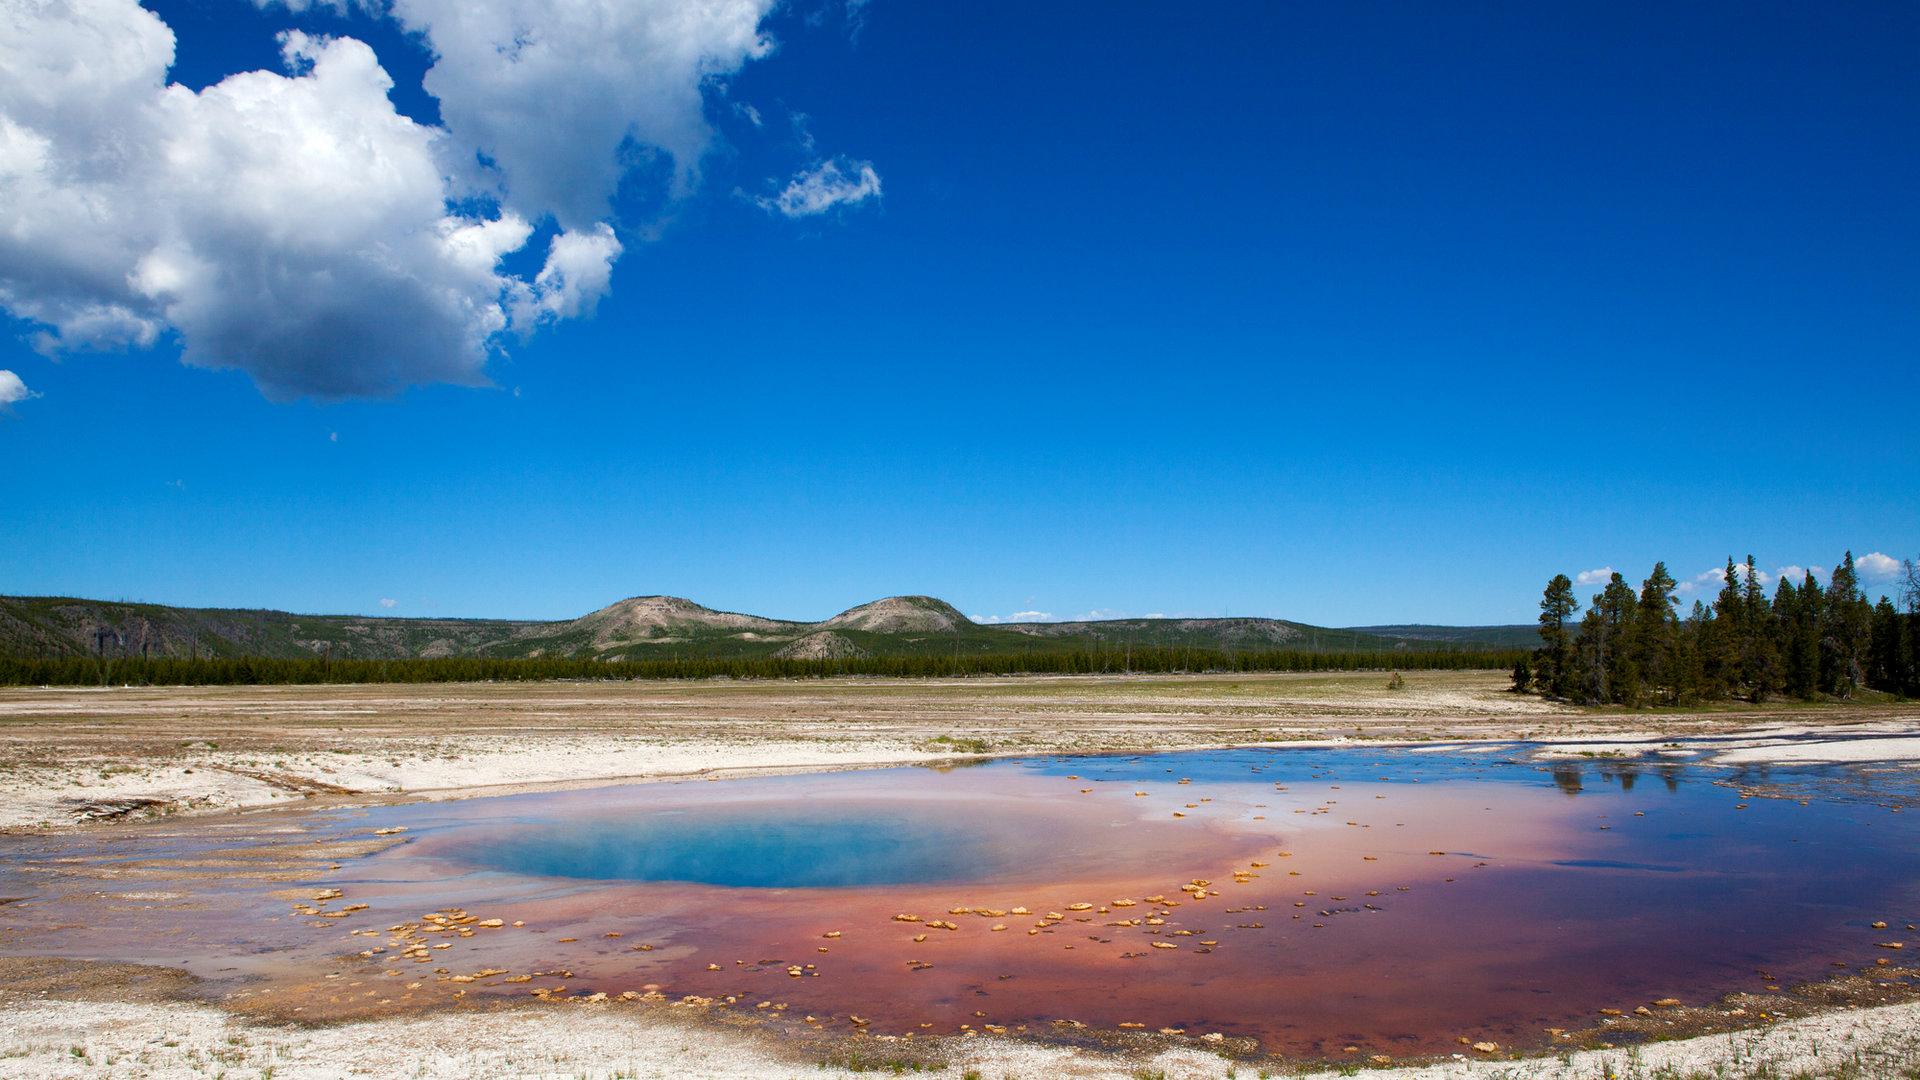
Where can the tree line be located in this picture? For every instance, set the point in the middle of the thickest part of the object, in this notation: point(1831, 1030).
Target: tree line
point(1806, 642)
point(166, 671)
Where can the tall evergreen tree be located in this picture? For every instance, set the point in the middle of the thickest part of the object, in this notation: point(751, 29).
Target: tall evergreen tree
point(1694, 642)
point(1759, 659)
point(1590, 659)
point(1800, 629)
point(1654, 626)
point(1723, 638)
point(1557, 605)
point(1619, 658)
point(1883, 664)
point(1846, 621)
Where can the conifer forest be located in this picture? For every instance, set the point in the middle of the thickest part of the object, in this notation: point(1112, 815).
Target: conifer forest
point(1806, 641)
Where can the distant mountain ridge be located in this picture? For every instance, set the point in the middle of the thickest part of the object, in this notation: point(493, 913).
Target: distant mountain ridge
point(650, 627)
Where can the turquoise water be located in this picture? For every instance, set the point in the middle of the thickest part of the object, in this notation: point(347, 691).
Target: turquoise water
point(758, 846)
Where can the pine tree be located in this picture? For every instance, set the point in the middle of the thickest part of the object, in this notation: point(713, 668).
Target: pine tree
point(1846, 622)
point(1557, 605)
point(1801, 630)
point(1522, 675)
point(1723, 642)
point(1620, 661)
point(1654, 626)
point(1692, 644)
point(1759, 658)
point(1590, 656)
point(1883, 666)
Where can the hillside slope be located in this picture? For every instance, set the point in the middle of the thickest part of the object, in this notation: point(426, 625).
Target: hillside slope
point(642, 628)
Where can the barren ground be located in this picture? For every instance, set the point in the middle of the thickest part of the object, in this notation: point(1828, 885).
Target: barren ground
point(85, 759)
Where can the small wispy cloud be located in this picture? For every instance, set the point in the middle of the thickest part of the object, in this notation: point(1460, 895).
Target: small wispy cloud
point(856, 18)
point(1018, 616)
point(386, 603)
point(838, 182)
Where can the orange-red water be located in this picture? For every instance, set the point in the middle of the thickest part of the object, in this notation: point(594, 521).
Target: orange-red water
point(1387, 899)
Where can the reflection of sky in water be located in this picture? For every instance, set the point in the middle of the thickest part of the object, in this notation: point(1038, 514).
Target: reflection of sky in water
point(907, 826)
point(756, 846)
point(1424, 893)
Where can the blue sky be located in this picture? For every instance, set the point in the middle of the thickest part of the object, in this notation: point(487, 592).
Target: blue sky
point(1344, 313)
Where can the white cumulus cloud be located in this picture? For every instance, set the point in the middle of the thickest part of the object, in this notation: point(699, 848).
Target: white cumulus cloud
point(1594, 577)
point(551, 92)
point(1873, 566)
point(387, 603)
point(1798, 574)
point(12, 390)
point(1715, 579)
point(829, 184)
point(295, 226)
